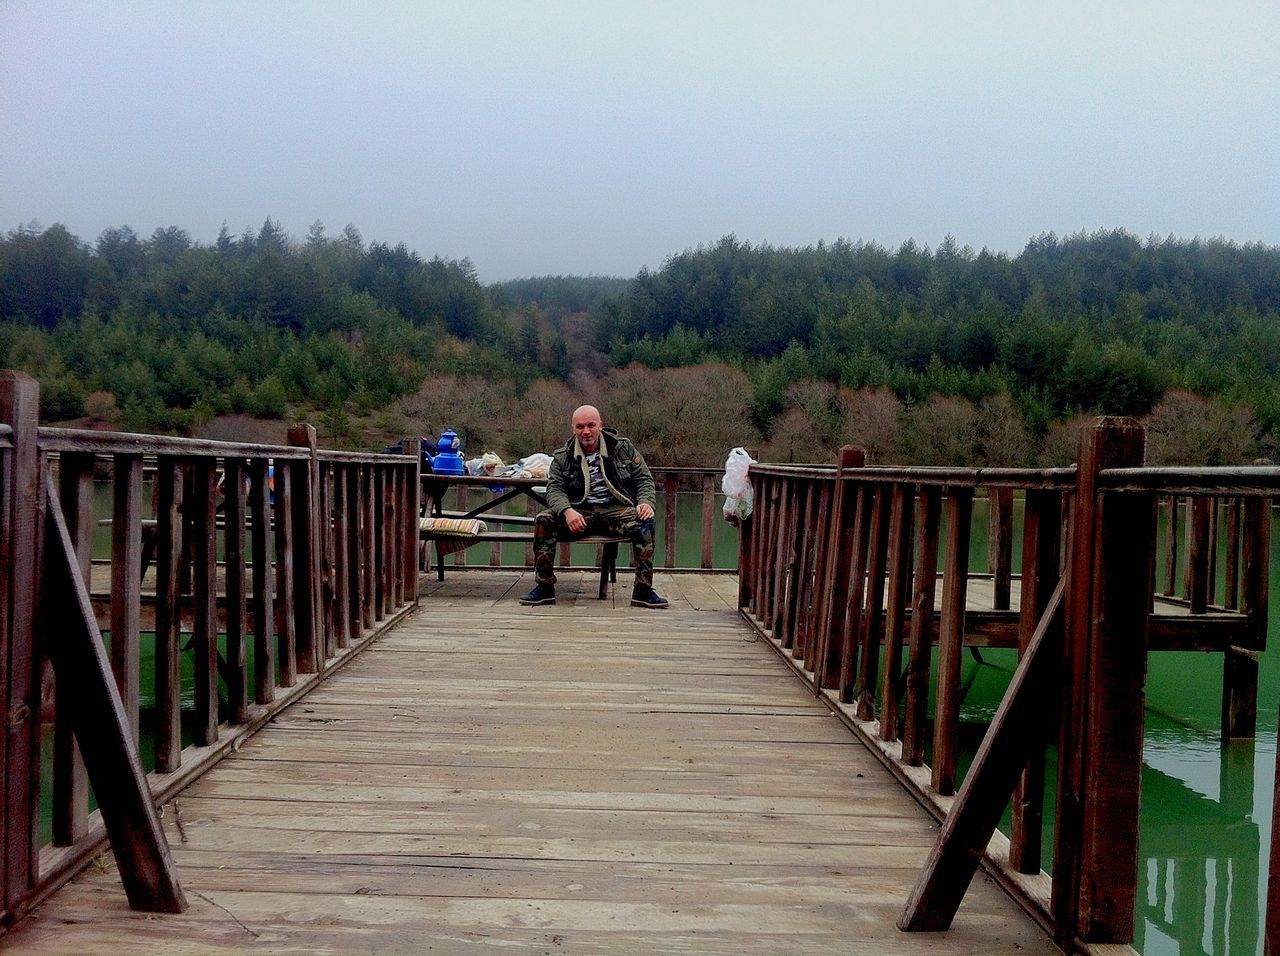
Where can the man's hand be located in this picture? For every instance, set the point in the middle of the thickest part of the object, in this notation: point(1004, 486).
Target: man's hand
point(574, 520)
point(644, 511)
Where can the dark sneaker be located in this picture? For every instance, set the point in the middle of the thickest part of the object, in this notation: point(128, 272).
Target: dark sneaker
point(541, 594)
point(648, 597)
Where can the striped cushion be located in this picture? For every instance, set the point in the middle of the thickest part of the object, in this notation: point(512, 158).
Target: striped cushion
point(452, 527)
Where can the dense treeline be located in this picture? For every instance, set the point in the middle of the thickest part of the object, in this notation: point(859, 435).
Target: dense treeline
point(172, 332)
point(1100, 323)
point(945, 356)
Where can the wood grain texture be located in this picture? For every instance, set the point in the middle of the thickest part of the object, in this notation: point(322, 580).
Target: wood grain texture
point(474, 779)
point(126, 582)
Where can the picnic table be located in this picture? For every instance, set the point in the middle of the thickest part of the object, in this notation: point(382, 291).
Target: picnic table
point(436, 486)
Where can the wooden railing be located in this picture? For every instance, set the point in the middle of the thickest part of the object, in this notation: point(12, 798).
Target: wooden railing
point(318, 555)
point(672, 484)
point(840, 570)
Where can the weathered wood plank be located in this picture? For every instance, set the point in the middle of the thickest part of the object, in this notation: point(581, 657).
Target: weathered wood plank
point(264, 665)
point(1014, 732)
point(901, 520)
point(70, 782)
point(98, 719)
point(305, 539)
point(204, 623)
point(871, 626)
point(286, 597)
point(453, 785)
point(19, 682)
point(951, 631)
point(126, 583)
point(235, 488)
point(1041, 569)
point(915, 726)
point(168, 686)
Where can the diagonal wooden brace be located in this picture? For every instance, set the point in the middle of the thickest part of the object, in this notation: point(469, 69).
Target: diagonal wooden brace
point(1014, 733)
point(86, 686)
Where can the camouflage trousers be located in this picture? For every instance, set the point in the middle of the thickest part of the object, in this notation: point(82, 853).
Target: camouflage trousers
point(550, 530)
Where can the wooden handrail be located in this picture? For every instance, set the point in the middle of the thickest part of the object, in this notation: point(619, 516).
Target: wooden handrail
point(885, 530)
point(328, 550)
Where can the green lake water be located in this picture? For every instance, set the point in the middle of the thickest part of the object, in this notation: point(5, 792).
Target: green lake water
point(1206, 806)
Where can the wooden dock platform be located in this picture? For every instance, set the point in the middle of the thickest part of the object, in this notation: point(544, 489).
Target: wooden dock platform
point(588, 777)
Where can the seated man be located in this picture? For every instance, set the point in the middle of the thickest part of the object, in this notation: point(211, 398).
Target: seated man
point(597, 484)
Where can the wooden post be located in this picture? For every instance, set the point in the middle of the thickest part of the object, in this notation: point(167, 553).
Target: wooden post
point(1231, 572)
point(328, 603)
point(840, 548)
point(1197, 585)
point(368, 559)
point(204, 621)
point(1240, 662)
point(286, 619)
point(1105, 649)
point(306, 550)
point(19, 652)
point(784, 528)
point(1041, 546)
point(395, 533)
point(819, 572)
point(168, 686)
point(955, 589)
point(796, 589)
point(869, 664)
point(772, 547)
point(70, 782)
point(234, 493)
point(388, 537)
point(355, 536)
point(669, 490)
point(850, 639)
point(98, 719)
point(341, 576)
point(900, 527)
point(761, 518)
point(915, 726)
point(801, 575)
point(1000, 544)
point(264, 667)
point(126, 583)
point(746, 559)
point(413, 503)
point(1171, 547)
point(708, 521)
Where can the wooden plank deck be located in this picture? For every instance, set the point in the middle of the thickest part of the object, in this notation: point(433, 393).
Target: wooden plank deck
point(588, 777)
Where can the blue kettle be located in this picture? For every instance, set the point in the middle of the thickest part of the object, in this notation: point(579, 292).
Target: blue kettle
point(448, 461)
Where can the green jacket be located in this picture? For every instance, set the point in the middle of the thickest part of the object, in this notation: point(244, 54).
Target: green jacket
point(624, 470)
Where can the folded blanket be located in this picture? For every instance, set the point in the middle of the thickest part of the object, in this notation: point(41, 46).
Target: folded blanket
point(451, 534)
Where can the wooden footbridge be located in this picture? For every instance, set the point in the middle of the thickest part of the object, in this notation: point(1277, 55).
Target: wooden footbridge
point(334, 752)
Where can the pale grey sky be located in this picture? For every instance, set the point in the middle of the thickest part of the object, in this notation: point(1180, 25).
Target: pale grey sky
point(598, 137)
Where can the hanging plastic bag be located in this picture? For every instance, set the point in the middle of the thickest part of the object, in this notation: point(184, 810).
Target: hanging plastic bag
point(736, 485)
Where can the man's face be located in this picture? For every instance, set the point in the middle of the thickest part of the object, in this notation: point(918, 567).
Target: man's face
point(586, 426)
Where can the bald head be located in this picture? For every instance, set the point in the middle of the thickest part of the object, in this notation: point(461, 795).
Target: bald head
point(586, 427)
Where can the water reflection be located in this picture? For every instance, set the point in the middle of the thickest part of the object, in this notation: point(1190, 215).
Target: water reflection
point(1198, 857)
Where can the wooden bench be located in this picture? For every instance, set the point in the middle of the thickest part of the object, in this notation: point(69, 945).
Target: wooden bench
point(608, 556)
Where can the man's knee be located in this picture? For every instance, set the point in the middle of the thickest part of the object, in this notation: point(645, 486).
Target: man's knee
point(546, 526)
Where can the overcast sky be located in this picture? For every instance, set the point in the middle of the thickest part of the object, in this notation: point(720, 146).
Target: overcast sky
point(600, 137)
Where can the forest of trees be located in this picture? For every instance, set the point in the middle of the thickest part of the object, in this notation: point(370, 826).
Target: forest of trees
point(942, 356)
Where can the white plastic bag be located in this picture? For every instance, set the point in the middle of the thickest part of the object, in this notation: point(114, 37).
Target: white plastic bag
point(736, 486)
point(536, 464)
